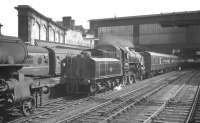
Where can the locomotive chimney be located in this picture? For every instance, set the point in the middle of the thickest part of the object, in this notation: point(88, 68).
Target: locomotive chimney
point(72, 23)
point(0, 28)
point(67, 22)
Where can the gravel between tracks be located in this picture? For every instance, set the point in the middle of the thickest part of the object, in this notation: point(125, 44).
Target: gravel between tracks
point(93, 114)
point(90, 102)
point(145, 109)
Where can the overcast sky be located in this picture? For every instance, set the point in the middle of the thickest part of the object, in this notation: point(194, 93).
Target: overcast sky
point(84, 10)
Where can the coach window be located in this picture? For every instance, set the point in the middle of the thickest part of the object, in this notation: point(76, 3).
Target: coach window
point(46, 59)
point(39, 60)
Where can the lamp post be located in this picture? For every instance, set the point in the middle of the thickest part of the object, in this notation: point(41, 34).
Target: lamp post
point(0, 28)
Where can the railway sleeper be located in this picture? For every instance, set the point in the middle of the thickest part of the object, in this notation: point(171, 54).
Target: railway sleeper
point(169, 119)
point(174, 113)
point(164, 121)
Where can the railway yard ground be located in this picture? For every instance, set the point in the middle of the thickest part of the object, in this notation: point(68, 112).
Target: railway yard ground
point(170, 97)
point(133, 69)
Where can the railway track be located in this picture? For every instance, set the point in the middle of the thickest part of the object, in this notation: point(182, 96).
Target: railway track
point(145, 110)
point(194, 115)
point(177, 108)
point(52, 105)
point(146, 82)
point(55, 107)
point(106, 111)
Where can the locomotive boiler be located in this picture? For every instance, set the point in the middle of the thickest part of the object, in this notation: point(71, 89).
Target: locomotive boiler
point(132, 62)
point(12, 51)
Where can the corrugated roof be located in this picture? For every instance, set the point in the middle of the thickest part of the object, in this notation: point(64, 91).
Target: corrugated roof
point(149, 15)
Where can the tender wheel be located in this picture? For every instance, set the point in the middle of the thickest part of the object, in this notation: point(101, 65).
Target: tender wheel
point(114, 83)
point(3, 85)
point(149, 75)
point(109, 84)
point(28, 107)
point(126, 80)
point(131, 79)
point(141, 77)
point(93, 89)
point(117, 82)
point(68, 89)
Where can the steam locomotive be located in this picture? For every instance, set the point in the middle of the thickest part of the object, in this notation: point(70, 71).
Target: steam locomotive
point(15, 88)
point(22, 67)
point(108, 66)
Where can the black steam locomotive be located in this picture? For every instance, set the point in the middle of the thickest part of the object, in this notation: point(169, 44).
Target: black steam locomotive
point(107, 66)
point(22, 67)
point(15, 88)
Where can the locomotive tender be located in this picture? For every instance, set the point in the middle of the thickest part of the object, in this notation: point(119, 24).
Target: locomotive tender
point(108, 65)
point(87, 73)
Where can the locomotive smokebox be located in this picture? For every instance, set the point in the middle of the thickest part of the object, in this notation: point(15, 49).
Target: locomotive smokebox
point(12, 50)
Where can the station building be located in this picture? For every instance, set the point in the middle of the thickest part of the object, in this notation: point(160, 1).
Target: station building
point(37, 29)
point(166, 33)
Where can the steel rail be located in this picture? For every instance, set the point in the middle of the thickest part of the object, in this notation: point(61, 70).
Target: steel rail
point(162, 107)
point(194, 105)
point(48, 108)
point(98, 106)
point(74, 117)
point(23, 119)
point(132, 105)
